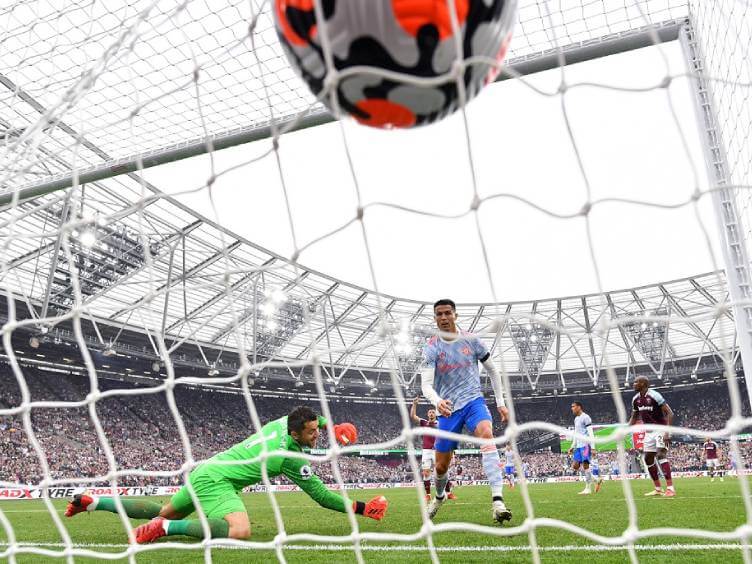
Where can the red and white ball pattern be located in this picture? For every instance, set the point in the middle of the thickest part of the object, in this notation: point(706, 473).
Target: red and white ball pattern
point(411, 37)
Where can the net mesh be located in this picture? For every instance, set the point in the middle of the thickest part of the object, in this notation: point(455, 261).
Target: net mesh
point(90, 85)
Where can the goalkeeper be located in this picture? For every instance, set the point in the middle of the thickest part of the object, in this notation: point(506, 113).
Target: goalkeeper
point(217, 486)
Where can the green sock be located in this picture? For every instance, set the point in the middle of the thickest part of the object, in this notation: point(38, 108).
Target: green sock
point(134, 508)
point(192, 527)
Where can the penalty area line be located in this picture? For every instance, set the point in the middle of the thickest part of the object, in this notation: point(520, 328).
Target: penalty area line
point(413, 548)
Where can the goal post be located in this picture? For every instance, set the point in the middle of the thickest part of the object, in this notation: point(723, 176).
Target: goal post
point(724, 196)
point(580, 52)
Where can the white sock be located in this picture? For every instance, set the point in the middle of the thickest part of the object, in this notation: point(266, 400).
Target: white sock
point(440, 484)
point(492, 468)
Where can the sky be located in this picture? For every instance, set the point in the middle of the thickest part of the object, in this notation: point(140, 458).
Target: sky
point(630, 148)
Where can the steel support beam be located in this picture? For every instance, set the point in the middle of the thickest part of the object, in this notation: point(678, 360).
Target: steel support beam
point(708, 296)
point(334, 323)
point(692, 325)
point(55, 257)
point(251, 312)
point(627, 344)
point(381, 358)
point(476, 318)
point(167, 242)
point(589, 332)
point(187, 275)
point(211, 301)
point(367, 330)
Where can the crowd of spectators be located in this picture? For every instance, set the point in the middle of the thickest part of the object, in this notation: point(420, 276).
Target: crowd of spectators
point(136, 428)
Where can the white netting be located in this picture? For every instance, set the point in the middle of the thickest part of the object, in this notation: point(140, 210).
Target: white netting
point(125, 276)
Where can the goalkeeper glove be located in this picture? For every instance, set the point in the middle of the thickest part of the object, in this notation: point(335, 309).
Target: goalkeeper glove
point(375, 509)
point(345, 433)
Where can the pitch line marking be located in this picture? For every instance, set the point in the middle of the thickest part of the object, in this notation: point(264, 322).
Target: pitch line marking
point(412, 548)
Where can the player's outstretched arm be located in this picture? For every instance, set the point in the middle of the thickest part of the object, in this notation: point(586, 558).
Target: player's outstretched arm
point(414, 411)
point(301, 474)
point(634, 418)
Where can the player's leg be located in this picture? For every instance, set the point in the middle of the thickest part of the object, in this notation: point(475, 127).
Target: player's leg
point(577, 459)
point(441, 469)
point(426, 463)
point(649, 449)
point(598, 479)
point(449, 490)
point(662, 461)
point(134, 508)
point(509, 475)
point(478, 421)
point(449, 486)
point(711, 469)
point(444, 449)
point(224, 511)
point(586, 472)
point(443, 460)
point(234, 525)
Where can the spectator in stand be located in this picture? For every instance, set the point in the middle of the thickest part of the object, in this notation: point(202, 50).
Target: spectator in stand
point(72, 449)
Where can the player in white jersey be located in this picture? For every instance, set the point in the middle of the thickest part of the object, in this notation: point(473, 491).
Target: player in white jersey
point(582, 449)
point(509, 465)
point(450, 379)
point(595, 470)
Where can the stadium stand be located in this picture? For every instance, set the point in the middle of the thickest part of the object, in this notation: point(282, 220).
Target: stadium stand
point(142, 432)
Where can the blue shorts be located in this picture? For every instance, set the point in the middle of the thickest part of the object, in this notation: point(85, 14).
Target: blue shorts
point(595, 471)
point(582, 454)
point(469, 416)
point(508, 470)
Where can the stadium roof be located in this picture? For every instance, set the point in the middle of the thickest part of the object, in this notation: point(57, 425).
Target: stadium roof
point(200, 282)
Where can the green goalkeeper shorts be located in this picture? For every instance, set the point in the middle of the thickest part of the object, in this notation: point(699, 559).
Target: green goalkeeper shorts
point(217, 498)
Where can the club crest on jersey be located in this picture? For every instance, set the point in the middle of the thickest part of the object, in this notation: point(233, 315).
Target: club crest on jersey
point(306, 472)
point(466, 351)
point(442, 356)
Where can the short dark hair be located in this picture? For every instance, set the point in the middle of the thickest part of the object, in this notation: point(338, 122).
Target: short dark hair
point(578, 404)
point(298, 417)
point(445, 301)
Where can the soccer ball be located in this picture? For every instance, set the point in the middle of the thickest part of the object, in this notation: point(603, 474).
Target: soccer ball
point(413, 38)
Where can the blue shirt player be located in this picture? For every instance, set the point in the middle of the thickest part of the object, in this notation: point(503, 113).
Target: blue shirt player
point(450, 379)
point(583, 445)
point(595, 470)
point(509, 465)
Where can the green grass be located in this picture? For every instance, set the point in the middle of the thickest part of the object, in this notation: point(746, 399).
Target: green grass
point(699, 505)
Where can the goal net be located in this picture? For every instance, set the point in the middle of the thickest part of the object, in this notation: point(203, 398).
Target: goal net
point(168, 181)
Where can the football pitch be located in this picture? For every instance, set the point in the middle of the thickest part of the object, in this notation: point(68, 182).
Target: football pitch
point(698, 505)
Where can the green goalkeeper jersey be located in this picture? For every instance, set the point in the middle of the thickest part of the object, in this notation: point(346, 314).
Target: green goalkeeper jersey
point(274, 437)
